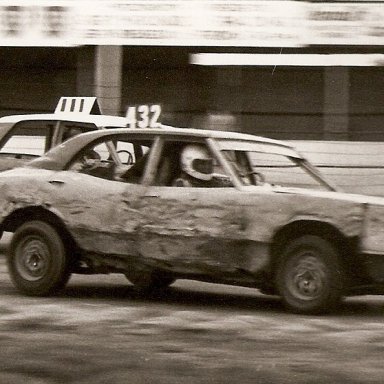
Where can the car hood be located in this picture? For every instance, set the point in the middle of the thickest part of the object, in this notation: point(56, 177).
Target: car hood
point(334, 195)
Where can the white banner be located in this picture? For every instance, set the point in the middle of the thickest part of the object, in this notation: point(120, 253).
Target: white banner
point(22, 24)
point(345, 24)
point(238, 23)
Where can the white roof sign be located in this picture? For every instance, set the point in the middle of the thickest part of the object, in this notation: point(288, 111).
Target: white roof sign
point(87, 105)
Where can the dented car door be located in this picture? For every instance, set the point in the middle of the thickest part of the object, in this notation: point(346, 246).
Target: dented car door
point(100, 215)
point(193, 230)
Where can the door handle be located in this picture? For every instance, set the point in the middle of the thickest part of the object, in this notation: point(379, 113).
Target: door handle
point(56, 182)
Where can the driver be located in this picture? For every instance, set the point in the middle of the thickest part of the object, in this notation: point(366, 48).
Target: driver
point(197, 169)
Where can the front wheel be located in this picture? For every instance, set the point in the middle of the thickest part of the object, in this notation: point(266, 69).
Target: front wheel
point(37, 259)
point(310, 277)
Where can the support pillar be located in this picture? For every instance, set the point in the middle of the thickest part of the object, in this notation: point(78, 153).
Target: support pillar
point(85, 76)
point(108, 76)
point(336, 103)
point(227, 100)
point(99, 72)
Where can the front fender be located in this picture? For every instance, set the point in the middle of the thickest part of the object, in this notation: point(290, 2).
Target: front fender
point(268, 216)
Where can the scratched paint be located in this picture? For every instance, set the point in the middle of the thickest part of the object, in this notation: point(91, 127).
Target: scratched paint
point(374, 230)
point(188, 230)
point(194, 230)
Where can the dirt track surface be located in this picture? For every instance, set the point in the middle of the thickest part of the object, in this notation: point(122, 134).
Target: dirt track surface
point(100, 331)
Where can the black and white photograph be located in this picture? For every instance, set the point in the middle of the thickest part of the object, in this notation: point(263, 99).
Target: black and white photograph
point(191, 191)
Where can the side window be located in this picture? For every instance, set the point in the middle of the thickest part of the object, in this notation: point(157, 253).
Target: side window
point(114, 158)
point(70, 129)
point(242, 167)
point(281, 170)
point(190, 165)
point(30, 138)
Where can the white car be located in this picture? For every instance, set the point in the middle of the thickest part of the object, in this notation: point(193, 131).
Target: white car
point(24, 137)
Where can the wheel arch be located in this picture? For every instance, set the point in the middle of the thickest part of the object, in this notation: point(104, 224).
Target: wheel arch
point(347, 247)
point(25, 214)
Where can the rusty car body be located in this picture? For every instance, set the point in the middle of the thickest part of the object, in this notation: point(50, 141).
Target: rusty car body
point(263, 229)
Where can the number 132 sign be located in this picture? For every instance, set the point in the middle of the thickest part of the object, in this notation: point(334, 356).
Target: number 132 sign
point(143, 116)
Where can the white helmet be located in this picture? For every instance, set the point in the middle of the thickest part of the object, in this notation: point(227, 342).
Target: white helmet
point(196, 162)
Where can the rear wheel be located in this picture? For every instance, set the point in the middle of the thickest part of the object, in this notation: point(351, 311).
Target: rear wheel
point(37, 259)
point(310, 277)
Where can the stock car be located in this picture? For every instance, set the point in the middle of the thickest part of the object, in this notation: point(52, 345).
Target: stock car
point(24, 137)
point(275, 224)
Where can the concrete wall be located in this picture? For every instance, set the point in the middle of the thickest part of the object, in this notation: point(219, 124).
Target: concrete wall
point(366, 120)
point(355, 167)
point(283, 102)
point(34, 89)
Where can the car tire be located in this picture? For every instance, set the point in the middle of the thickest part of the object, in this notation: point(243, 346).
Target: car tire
point(309, 276)
point(149, 282)
point(37, 259)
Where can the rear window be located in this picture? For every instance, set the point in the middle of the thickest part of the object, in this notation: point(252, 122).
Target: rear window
point(29, 138)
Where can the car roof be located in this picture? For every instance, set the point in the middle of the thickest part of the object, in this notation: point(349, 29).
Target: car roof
point(66, 150)
point(98, 120)
point(166, 130)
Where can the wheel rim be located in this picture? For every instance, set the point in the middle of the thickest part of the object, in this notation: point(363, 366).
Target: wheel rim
point(307, 279)
point(32, 258)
